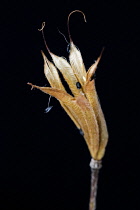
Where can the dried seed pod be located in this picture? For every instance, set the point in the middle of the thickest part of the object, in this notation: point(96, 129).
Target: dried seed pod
point(83, 107)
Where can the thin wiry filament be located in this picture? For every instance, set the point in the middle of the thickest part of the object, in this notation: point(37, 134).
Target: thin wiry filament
point(68, 46)
point(69, 19)
point(63, 35)
point(42, 30)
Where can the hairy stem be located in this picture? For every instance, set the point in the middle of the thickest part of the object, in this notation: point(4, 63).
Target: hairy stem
point(95, 166)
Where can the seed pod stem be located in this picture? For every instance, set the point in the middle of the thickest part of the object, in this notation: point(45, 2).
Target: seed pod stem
point(95, 166)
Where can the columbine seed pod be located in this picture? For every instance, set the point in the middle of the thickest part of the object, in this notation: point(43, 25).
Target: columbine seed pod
point(83, 107)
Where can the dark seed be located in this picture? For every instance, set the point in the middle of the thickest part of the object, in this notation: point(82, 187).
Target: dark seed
point(78, 85)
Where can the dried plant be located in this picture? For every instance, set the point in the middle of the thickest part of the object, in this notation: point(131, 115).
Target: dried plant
point(82, 105)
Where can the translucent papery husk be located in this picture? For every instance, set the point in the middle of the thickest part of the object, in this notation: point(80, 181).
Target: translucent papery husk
point(67, 72)
point(77, 64)
point(51, 74)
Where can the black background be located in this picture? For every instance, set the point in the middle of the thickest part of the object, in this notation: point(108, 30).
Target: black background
point(44, 161)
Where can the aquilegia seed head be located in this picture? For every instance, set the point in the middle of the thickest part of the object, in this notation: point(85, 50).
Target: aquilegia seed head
point(83, 106)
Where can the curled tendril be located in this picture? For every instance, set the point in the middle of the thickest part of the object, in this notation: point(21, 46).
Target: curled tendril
point(43, 26)
point(69, 19)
